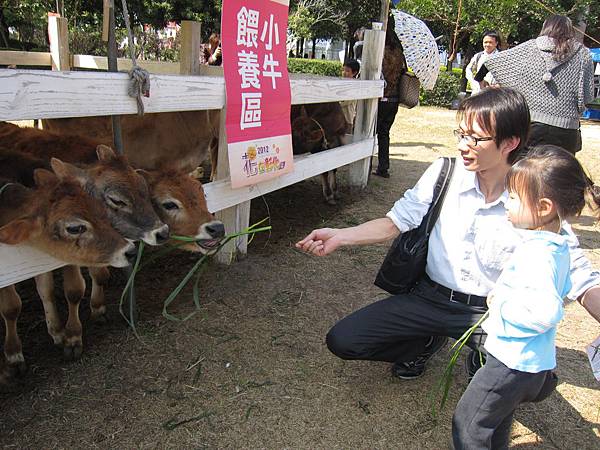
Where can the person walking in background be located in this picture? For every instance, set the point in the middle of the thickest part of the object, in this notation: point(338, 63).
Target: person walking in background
point(526, 305)
point(351, 69)
point(393, 66)
point(555, 74)
point(491, 41)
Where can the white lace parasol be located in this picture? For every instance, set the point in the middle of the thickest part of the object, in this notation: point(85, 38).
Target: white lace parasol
point(420, 47)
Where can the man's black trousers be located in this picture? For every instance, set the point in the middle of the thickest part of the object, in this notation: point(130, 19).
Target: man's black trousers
point(398, 327)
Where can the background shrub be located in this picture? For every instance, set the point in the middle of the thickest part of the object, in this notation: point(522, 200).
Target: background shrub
point(315, 66)
point(446, 89)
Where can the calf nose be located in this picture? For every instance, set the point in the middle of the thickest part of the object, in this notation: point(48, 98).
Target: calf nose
point(131, 253)
point(162, 234)
point(215, 229)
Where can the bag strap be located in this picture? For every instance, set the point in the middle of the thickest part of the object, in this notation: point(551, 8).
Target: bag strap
point(439, 193)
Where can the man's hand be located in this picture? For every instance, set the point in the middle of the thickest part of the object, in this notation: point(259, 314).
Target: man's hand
point(320, 242)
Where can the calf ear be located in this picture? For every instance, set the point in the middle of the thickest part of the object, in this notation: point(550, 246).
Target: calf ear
point(43, 177)
point(148, 176)
point(303, 112)
point(18, 231)
point(65, 170)
point(105, 153)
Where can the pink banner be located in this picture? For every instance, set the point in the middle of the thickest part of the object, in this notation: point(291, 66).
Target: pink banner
point(253, 39)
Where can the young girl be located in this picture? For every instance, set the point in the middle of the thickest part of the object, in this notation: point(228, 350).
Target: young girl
point(545, 188)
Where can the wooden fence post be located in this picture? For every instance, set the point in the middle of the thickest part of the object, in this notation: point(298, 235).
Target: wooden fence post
point(189, 54)
point(237, 217)
point(58, 33)
point(367, 109)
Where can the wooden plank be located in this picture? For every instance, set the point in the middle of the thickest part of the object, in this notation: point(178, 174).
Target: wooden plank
point(58, 35)
point(21, 262)
point(8, 57)
point(315, 89)
point(124, 64)
point(40, 94)
point(105, 21)
point(189, 55)
point(220, 195)
point(366, 113)
point(29, 94)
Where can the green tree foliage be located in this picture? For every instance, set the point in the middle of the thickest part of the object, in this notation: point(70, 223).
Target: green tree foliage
point(28, 18)
point(516, 20)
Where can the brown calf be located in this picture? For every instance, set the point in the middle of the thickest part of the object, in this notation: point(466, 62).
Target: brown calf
point(315, 128)
point(108, 177)
point(179, 140)
point(59, 218)
point(177, 199)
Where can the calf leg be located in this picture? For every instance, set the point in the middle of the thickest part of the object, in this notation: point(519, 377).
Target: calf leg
point(99, 276)
point(327, 192)
point(332, 180)
point(10, 308)
point(213, 148)
point(45, 288)
point(74, 287)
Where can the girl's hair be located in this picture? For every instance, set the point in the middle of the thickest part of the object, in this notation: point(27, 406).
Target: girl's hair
point(560, 29)
point(549, 171)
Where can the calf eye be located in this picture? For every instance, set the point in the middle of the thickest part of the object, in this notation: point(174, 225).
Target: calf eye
point(170, 206)
point(76, 229)
point(116, 202)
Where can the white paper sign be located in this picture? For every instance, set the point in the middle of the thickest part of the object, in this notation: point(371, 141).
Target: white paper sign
point(593, 352)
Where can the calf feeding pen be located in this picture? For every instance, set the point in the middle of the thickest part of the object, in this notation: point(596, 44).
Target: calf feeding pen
point(41, 94)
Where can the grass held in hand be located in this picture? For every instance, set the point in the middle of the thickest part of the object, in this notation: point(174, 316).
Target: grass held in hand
point(196, 271)
point(445, 382)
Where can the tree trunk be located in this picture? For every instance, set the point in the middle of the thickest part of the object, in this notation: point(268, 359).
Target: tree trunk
point(314, 48)
point(581, 24)
point(4, 33)
point(465, 62)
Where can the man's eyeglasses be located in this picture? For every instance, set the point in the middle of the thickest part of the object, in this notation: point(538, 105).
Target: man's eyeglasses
point(471, 140)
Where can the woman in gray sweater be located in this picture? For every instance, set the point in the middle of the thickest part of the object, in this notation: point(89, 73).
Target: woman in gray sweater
point(555, 74)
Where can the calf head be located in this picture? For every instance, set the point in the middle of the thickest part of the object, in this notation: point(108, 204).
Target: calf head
point(124, 192)
point(307, 134)
point(179, 201)
point(61, 219)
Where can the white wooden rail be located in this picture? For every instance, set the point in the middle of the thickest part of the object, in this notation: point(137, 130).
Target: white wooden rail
point(35, 94)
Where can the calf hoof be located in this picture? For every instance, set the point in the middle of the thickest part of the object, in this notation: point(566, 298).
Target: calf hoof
point(17, 370)
point(98, 315)
point(73, 352)
point(58, 337)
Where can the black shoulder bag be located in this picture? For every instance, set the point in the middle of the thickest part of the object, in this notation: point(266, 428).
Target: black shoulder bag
point(404, 264)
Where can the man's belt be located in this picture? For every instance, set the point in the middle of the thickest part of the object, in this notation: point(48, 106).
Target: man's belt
point(455, 296)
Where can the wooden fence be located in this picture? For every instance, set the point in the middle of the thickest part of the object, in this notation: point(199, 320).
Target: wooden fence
point(36, 94)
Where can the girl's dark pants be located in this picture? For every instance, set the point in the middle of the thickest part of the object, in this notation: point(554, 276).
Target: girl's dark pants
point(484, 414)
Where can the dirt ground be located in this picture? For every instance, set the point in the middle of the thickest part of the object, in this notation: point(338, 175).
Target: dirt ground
point(251, 370)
